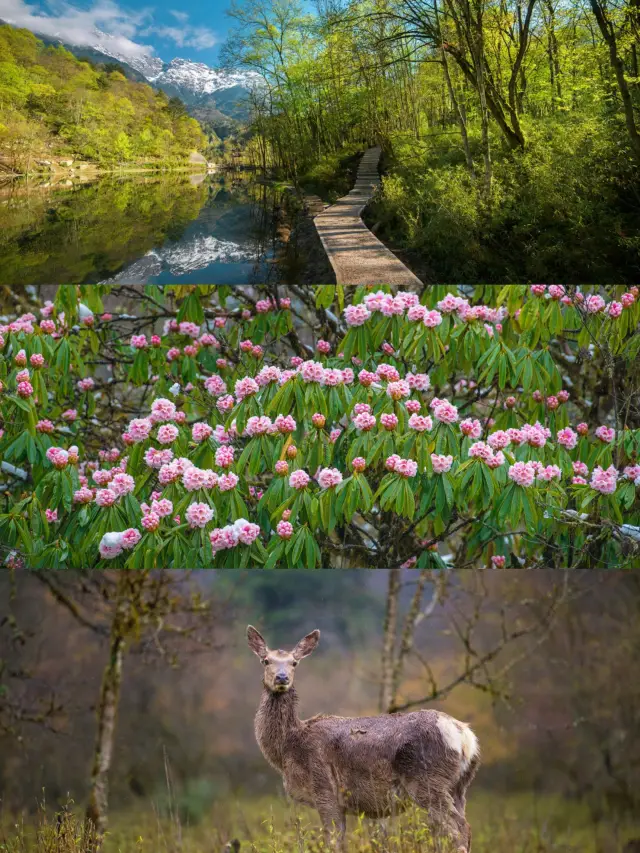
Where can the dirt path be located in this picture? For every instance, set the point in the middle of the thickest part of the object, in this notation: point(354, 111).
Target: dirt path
point(356, 255)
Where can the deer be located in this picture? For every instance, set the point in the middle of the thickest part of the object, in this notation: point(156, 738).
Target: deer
point(373, 766)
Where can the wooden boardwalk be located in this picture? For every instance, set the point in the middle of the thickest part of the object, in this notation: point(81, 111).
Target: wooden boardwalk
point(356, 255)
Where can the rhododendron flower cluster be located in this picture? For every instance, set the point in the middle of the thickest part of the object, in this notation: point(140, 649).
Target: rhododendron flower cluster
point(404, 467)
point(113, 544)
point(199, 514)
point(604, 481)
point(441, 464)
point(299, 479)
point(523, 473)
point(241, 532)
point(328, 478)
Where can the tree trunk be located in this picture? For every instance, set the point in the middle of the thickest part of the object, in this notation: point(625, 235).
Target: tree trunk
point(608, 34)
point(97, 806)
point(390, 631)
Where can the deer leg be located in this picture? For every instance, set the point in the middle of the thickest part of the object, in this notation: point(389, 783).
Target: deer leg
point(444, 817)
point(334, 824)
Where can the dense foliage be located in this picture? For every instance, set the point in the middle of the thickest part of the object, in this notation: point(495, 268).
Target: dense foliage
point(52, 105)
point(510, 129)
point(503, 423)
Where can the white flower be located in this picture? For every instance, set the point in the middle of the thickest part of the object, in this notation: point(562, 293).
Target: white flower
point(175, 389)
point(84, 312)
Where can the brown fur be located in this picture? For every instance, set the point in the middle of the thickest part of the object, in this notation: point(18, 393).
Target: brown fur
point(374, 766)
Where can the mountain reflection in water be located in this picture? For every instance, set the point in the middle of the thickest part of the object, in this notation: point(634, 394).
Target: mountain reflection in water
point(206, 229)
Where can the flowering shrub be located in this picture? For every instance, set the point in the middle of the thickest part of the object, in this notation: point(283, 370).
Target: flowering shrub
point(203, 426)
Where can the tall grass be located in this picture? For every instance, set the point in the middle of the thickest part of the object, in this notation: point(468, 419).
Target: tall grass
point(501, 824)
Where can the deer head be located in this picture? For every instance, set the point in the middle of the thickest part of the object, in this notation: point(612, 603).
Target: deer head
point(278, 664)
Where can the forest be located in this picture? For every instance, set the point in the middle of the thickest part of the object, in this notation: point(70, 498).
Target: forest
point(53, 105)
point(537, 662)
point(509, 127)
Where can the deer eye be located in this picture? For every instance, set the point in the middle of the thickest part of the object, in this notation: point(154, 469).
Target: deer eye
point(294, 663)
point(265, 662)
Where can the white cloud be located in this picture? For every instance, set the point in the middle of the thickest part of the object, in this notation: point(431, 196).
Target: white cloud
point(78, 26)
point(186, 36)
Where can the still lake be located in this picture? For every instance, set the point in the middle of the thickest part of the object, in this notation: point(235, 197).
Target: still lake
point(191, 228)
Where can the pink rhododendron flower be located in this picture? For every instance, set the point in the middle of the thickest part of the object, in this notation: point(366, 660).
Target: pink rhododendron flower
point(258, 425)
point(522, 473)
point(168, 433)
point(105, 497)
point(331, 377)
point(150, 521)
point(499, 440)
point(267, 375)
point(245, 387)
point(199, 514)
point(130, 538)
point(441, 464)
point(285, 424)
point(201, 432)
point(471, 428)
point(139, 429)
point(581, 468)
point(284, 529)
point(329, 477)
point(356, 315)
point(605, 434)
point(122, 484)
point(110, 545)
point(614, 309)
point(318, 420)
point(162, 410)
point(578, 481)
point(445, 412)
point(224, 456)
point(51, 515)
point(311, 371)
point(538, 289)
point(324, 347)
point(58, 457)
point(282, 467)
point(25, 389)
point(432, 319)
point(37, 360)
point(398, 390)
point(421, 423)
point(548, 473)
point(498, 562)
point(299, 479)
point(228, 482)
point(215, 385)
point(45, 426)
point(194, 478)
point(388, 421)
point(604, 481)
point(595, 304)
point(359, 464)
point(162, 507)
point(366, 378)
point(83, 496)
point(364, 422)
point(387, 372)
point(139, 341)
point(418, 381)
point(21, 358)
point(567, 438)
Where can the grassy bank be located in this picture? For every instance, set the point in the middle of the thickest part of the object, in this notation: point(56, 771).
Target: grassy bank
point(522, 823)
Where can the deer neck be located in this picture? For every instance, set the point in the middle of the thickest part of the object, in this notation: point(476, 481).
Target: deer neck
point(276, 718)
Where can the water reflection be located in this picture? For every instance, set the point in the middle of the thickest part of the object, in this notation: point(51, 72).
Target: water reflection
point(165, 228)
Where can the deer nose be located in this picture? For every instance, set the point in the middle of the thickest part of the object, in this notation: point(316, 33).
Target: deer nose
point(281, 678)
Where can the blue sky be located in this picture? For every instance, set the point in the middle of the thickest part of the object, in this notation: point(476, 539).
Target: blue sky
point(190, 29)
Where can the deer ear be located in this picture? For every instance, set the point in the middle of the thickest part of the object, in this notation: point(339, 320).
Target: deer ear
point(256, 642)
point(306, 645)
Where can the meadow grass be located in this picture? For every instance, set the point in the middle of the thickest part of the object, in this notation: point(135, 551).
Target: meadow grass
point(521, 823)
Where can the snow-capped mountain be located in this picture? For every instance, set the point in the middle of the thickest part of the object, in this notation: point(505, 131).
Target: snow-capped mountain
point(207, 92)
point(200, 79)
point(144, 63)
